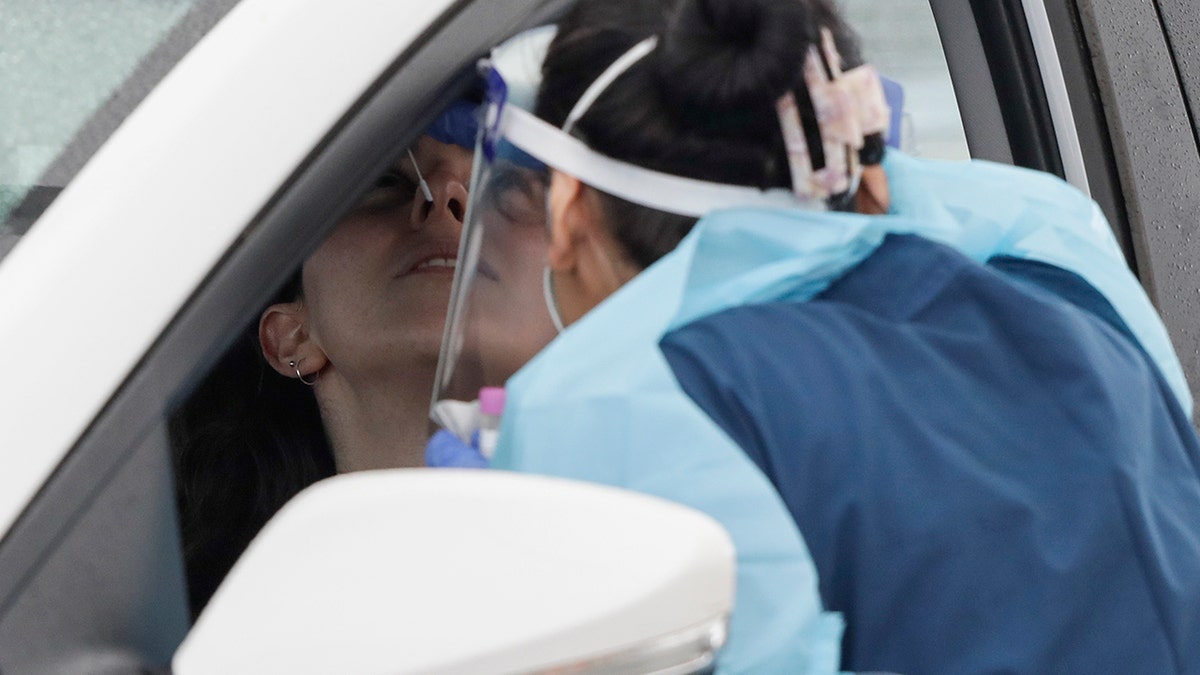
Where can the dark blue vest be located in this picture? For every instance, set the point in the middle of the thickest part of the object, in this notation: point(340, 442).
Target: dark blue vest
point(990, 473)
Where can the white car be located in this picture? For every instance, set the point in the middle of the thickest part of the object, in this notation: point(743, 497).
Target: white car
point(165, 164)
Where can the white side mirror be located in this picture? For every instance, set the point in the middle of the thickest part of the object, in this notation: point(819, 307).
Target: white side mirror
point(424, 571)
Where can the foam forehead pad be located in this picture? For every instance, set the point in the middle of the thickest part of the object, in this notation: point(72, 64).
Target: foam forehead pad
point(457, 125)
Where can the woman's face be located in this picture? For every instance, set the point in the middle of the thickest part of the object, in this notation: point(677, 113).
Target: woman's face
point(377, 289)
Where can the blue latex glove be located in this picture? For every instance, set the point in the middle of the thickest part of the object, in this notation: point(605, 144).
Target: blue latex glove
point(445, 450)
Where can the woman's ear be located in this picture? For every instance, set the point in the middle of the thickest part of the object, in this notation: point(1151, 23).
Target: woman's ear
point(565, 210)
point(284, 338)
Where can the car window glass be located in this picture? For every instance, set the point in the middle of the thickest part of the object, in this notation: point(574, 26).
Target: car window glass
point(900, 38)
point(70, 73)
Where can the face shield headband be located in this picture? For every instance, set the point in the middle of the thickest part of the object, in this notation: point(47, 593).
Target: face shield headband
point(510, 125)
point(848, 107)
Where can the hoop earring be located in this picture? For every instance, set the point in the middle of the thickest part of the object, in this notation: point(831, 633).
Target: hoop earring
point(300, 376)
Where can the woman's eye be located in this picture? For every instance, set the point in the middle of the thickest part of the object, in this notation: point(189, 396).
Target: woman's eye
point(395, 179)
point(393, 188)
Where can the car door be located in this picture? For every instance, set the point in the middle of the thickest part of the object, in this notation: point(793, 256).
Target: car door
point(1143, 91)
point(1131, 91)
point(197, 203)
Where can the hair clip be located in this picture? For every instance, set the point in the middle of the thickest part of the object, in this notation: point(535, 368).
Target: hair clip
point(848, 107)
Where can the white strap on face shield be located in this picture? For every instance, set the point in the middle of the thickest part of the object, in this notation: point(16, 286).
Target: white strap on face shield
point(652, 189)
point(638, 52)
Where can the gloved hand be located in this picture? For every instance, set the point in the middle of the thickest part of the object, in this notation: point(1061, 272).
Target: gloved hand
point(445, 450)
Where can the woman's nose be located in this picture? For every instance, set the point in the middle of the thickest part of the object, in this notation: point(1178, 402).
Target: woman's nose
point(449, 203)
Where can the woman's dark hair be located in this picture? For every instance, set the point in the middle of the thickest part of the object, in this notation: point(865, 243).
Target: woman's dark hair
point(245, 441)
point(702, 105)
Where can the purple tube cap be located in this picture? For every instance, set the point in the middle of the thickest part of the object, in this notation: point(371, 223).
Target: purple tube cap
point(491, 400)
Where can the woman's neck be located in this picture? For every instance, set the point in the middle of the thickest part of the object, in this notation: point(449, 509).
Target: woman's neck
point(382, 424)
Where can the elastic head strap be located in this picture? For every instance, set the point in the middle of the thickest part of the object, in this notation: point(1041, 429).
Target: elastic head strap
point(610, 75)
point(649, 188)
point(653, 189)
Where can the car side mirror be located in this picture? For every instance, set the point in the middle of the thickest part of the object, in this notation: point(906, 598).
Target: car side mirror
point(445, 571)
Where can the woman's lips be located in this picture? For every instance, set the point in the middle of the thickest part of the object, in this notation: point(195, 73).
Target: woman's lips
point(439, 265)
point(437, 257)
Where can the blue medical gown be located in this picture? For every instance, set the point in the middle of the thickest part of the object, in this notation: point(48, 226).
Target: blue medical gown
point(602, 403)
point(989, 472)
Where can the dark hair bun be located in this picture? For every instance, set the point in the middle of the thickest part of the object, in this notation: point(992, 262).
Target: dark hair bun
point(723, 56)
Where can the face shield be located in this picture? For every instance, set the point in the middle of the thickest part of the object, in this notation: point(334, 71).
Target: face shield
point(498, 319)
point(502, 310)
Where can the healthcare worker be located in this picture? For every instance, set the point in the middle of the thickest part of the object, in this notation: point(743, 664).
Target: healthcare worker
point(944, 372)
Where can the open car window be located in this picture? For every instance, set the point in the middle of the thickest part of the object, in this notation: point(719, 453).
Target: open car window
point(900, 38)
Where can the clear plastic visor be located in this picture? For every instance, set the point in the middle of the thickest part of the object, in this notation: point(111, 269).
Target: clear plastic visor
point(498, 319)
